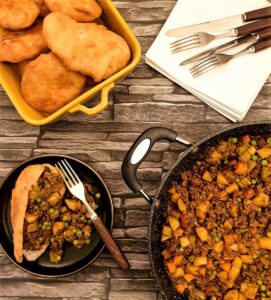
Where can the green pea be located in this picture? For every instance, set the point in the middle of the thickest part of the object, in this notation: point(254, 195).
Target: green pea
point(43, 227)
point(262, 288)
point(89, 221)
point(50, 211)
point(254, 256)
point(254, 157)
point(245, 267)
point(266, 266)
point(75, 242)
point(268, 293)
point(216, 239)
point(215, 273)
point(66, 224)
point(259, 282)
point(87, 241)
point(78, 233)
point(237, 180)
point(239, 200)
point(269, 140)
point(36, 207)
point(264, 162)
point(98, 195)
point(32, 201)
point(268, 234)
point(38, 200)
point(45, 223)
point(198, 163)
point(263, 295)
point(253, 181)
point(225, 161)
point(49, 227)
point(52, 240)
point(40, 239)
point(253, 142)
point(266, 256)
point(73, 221)
point(191, 258)
point(181, 249)
point(82, 218)
point(234, 140)
point(74, 230)
point(209, 273)
point(259, 210)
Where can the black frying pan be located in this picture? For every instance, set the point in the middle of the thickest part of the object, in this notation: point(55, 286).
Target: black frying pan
point(73, 259)
point(137, 154)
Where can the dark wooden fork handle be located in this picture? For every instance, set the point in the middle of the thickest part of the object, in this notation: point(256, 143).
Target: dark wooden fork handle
point(258, 14)
point(111, 245)
point(262, 45)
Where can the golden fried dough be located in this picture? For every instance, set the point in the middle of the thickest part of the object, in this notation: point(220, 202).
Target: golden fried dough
point(47, 85)
point(16, 46)
point(18, 14)
point(19, 201)
point(81, 10)
point(88, 48)
point(44, 10)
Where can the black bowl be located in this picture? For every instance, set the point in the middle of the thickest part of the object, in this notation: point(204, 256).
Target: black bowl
point(74, 259)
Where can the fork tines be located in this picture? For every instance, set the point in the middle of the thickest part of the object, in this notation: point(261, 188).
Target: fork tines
point(185, 43)
point(67, 173)
point(204, 66)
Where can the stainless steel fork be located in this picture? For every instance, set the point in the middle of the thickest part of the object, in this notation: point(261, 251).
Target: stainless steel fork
point(76, 188)
point(218, 59)
point(203, 38)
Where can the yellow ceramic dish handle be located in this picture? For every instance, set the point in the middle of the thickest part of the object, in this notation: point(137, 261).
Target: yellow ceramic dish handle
point(98, 108)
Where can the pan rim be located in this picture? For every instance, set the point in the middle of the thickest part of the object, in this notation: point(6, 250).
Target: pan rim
point(181, 156)
point(109, 198)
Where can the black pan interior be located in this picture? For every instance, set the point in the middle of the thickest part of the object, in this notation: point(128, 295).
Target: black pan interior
point(73, 259)
point(157, 217)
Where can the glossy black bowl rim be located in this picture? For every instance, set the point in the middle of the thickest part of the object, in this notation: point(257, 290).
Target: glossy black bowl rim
point(109, 197)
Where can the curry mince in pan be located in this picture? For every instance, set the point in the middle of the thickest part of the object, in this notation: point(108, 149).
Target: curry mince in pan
point(54, 216)
point(217, 234)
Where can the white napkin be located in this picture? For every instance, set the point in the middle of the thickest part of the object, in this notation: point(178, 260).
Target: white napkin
point(231, 88)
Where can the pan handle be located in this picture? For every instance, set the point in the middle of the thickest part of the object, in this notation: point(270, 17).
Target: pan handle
point(140, 150)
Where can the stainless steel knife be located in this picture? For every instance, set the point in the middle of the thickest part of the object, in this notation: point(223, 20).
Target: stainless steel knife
point(221, 24)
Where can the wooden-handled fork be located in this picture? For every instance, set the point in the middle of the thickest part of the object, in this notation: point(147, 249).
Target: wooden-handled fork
point(76, 188)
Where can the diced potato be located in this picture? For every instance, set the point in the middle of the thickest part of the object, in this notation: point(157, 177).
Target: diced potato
point(202, 271)
point(242, 249)
point(261, 200)
point(237, 262)
point(31, 218)
point(33, 194)
point(54, 257)
point(265, 243)
point(234, 247)
point(242, 297)
point(200, 261)
point(251, 150)
point(165, 237)
point(175, 214)
point(178, 273)
point(184, 241)
point(71, 203)
point(234, 211)
point(232, 188)
point(189, 277)
point(264, 152)
point(177, 260)
point(227, 224)
point(202, 234)
point(225, 266)
point(247, 259)
point(202, 209)
point(221, 179)
point(179, 232)
point(232, 295)
point(182, 207)
point(210, 265)
point(249, 290)
point(166, 230)
point(180, 288)
point(240, 150)
point(173, 223)
point(171, 267)
point(192, 270)
point(192, 240)
point(174, 197)
point(245, 157)
point(207, 176)
point(54, 199)
point(234, 271)
point(216, 155)
point(78, 205)
point(229, 239)
point(58, 227)
point(218, 246)
point(32, 227)
point(222, 276)
point(54, 215)
point(251, 165)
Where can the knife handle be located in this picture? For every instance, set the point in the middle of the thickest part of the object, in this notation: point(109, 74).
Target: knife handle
point(264, 34)
point(262, 45)
point(253, 27)
point(257, 14)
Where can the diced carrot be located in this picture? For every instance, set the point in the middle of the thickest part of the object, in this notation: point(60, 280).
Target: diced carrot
point(178, 273)
point(189, 277)
point(179, 232)
point(222, 276)
point(246, 139)
point(223, 194)
point(241, 168)
point(192, 239)
point(210, 265)
point(181, 205)
point(247, 259)
point(225, 266)
point(166, 254)
point(171, 267)
point(263, 261)
point(232, 188)
point(184, 223)
point(180, 288)
point(192, 270)
point(249, 194)
point(207, 176)
point(227, 224)
point(229, 238)
point(177, 260)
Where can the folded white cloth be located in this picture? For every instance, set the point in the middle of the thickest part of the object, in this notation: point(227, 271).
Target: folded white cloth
point(231, 88)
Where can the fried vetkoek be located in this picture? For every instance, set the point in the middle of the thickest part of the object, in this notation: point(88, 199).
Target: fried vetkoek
point(44, 10)
point(18, 14)
point(81, 10)
point(87, 48)
point(16, 46)
point(47, 84)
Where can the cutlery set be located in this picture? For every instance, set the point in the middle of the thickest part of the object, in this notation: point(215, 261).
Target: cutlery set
point(254, 30)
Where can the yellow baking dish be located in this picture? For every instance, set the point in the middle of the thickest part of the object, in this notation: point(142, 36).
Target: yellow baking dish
point(10, 77)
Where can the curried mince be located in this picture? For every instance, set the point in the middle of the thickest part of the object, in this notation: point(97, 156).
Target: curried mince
point(217, 235)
